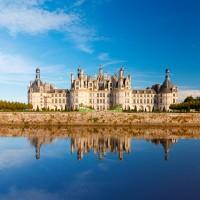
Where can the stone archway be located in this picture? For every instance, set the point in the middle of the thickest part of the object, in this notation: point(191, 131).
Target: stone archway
point(148, 109)
point(141, 108)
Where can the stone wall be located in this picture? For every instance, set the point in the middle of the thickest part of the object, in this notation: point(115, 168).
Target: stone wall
point(99, 119)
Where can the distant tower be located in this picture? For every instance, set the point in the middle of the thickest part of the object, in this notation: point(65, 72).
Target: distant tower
point(121, 72)
point(100, 70)
point(72, 79)
point(78, 72)
point(37, 77)
point(167, 74)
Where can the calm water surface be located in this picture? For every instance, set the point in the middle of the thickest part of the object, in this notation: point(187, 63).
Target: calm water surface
point(99, 167)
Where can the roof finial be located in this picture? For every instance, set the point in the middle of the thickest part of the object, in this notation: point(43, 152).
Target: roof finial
point(167, 72)
point(100, 70)
point(37, 73)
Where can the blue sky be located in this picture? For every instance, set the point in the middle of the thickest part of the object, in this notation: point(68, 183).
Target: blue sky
point(142, 35)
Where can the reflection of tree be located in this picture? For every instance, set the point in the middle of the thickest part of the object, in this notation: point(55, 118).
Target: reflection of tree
point(166, 143)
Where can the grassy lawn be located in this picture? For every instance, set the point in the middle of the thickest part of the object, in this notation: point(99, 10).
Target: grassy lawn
point(82, 110)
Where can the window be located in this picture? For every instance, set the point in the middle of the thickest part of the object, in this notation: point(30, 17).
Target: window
point(52, 100)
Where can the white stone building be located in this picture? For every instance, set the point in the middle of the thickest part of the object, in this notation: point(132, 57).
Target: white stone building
point(45, 95)
point(102, 93)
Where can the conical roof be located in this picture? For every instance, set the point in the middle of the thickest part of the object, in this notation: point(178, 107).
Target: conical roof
point(167, 85)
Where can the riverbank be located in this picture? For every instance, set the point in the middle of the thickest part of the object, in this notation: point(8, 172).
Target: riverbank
point(53, 132)
point(99, 119)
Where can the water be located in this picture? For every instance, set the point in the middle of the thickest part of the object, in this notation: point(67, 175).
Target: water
point(85, 164)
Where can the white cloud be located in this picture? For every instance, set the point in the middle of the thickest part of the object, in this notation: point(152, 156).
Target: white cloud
point(13, 158)
point(82, 37)
point(29, 194)
point(103, 57)
point(183, 93)
point(107, 60)
point(113, 62)
point(79, 3)
point(10, 63)
point(30, 17)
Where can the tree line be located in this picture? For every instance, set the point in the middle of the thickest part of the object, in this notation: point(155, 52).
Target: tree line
point(14, 106)
point(189, 104)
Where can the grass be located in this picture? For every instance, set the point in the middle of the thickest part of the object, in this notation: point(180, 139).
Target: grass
point(83, 110)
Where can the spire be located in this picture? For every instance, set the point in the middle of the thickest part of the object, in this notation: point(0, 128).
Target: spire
point(72, 78)
point(37, 74)
point(167, 74)
point(100, 70)
point(121, 72)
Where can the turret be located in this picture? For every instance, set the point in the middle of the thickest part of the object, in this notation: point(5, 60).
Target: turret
point(37, 77)
point(78, 72)
point(72, 79)
point(121, 72)
point(167, 85)
point(121, 76)
point(167, 74)
point(100, 70)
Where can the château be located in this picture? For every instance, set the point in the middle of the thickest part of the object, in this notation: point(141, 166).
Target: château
point(102, 92)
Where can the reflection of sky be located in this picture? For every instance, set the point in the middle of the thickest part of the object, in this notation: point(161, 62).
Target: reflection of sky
point(143, 174)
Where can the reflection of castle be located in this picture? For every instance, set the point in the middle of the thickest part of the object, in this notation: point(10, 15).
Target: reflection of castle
point(100, 145)
point(37, 142)
point(166, 143)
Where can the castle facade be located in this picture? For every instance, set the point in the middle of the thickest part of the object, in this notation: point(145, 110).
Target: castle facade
point(102, 92)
